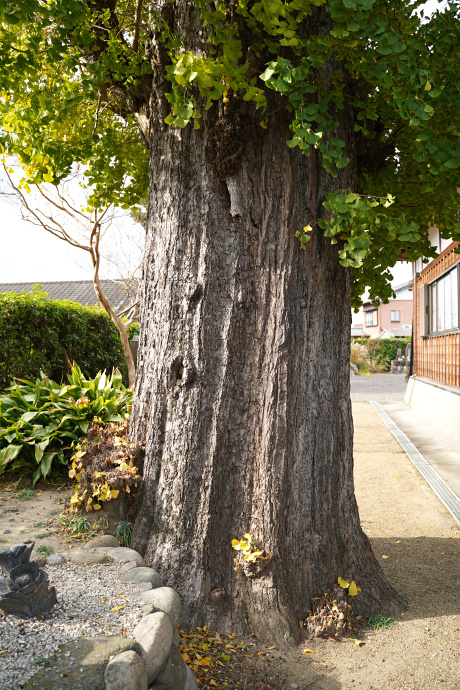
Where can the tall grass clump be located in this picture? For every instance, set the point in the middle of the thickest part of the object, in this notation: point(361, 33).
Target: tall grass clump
point(359, 356)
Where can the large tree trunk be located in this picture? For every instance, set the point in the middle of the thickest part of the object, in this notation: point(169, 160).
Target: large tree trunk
point(242, 388)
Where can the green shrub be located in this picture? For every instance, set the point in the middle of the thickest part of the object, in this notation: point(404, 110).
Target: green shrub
point(42, 335)
point(39, 422)
point(134, 329)
point(383, 351)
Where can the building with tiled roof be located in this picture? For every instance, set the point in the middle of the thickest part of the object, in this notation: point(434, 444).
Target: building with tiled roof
point(81, 291)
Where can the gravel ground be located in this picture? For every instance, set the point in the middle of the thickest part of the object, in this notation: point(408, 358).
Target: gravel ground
point(378, 387)
point(86, 595)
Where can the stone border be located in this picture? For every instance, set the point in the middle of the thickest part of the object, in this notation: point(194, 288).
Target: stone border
point(153, 659)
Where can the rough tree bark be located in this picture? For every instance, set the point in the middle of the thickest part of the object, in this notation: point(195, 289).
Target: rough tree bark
point(242, 389)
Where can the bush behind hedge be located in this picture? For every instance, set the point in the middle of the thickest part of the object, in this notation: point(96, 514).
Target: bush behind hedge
point(385, 349)
point(42, 335)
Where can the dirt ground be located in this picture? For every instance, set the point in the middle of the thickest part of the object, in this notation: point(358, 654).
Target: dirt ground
point(18, 517)
point(405, 522)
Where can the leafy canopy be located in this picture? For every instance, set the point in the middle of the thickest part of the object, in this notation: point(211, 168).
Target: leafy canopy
point(75, 76)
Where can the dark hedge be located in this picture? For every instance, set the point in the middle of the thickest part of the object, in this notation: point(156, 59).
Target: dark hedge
point(39, 334)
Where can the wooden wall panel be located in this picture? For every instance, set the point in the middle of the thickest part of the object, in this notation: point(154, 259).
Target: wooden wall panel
point(436, 357)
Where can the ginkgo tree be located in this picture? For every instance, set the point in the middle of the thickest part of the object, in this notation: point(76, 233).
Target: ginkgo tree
point(292, 151)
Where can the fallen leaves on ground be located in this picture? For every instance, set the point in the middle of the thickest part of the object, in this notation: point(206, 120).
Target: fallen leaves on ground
point(330, 614)
point(223, 662)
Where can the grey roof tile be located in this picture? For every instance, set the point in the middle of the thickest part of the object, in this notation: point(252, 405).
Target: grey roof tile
point(81, 291)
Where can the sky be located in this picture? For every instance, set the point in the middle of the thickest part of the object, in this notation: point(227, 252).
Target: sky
point(30, 254)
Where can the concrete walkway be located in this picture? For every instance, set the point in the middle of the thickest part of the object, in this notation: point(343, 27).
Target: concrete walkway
point(442, 453)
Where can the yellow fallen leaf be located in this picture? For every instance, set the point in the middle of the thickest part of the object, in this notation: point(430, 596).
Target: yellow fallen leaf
point(271, 648)
point(385, 557)
point(118, 608)
point(308, 651)
point(343, 583)
point(399, 541)
point(353, 589)
point(357, 642)
point(204, 662)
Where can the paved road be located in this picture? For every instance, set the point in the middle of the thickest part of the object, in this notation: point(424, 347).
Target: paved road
point(379, 387)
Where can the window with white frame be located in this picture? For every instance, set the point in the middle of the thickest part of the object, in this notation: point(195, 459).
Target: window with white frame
point(395, 316)
point(371, 318)
point(444, 297)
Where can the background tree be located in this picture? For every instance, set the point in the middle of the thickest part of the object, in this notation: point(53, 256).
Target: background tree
point(55, 210)
point(243, 391)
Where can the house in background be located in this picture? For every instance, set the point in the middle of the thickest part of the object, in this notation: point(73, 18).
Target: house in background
point(81, 291)
point(357, 330)
point(392, 320)
point(434, 389)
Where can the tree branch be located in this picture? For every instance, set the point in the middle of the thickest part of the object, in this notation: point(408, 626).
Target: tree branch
point(125, 311)
point(137, 25)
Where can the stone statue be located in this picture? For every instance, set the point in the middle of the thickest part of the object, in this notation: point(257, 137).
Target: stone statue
point(24, 591)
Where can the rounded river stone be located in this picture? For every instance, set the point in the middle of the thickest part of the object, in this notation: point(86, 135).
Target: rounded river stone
point(141, 575)
point(164, 599)
point(154, 634)
point(174, 674)
point(80, 664)
point(106, 540)
point(126, 671)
